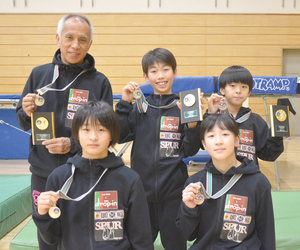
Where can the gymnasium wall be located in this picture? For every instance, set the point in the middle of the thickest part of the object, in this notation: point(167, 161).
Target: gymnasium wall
point(203, 44)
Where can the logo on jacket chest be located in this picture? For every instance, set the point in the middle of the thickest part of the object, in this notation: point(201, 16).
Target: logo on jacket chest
point(168, 123)
point(246, 136)
point(77, 97)
point(236, 204)
point(106, 200)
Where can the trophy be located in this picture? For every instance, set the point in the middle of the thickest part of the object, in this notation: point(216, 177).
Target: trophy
point(280, 121)
point(42, 125)
point(190, 105)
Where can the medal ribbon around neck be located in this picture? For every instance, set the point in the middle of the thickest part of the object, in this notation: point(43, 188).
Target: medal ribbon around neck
point(142, 103)
point(46, 88)
point(208, 192)
point(65, 188)
point(243, 118)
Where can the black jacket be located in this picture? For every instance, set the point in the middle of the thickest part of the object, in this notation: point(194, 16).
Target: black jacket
point(96, 222)
point(240, 219)
point(160, 142)
point(42, 162)
point(255, 138)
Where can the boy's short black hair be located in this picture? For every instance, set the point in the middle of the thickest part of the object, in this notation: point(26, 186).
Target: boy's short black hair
point(98, 112)
point(236, 74)
point(223, 121)
point(158, 55)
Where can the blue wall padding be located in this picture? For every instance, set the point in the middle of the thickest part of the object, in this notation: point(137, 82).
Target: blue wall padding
point(14, 144)
point(182, 83)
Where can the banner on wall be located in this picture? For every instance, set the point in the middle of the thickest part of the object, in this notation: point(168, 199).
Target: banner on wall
point(275, 85)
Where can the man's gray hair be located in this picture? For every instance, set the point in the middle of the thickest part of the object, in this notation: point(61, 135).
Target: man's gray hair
point(62, 21)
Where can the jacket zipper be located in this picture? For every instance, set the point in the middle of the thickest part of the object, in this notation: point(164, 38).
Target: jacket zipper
point(157, 151)
point(90, 225)
point(220, 214)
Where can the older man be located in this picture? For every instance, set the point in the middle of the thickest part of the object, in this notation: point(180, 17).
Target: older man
point(61, 87)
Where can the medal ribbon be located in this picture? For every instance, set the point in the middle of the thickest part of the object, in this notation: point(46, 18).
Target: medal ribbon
point(65, 188)
point(142, 104)
point(225, 111)
point(245, 117)
point(46, 88)
point(208, 192)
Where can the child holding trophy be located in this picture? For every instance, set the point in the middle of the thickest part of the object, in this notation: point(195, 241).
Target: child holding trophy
point(160, 142)
point(228, 204)
point(100, 203)
point(235, 85)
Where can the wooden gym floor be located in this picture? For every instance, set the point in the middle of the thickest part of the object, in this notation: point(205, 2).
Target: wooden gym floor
point(288, 168)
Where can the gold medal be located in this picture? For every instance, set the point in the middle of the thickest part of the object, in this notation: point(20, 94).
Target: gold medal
point(39, 101)
point(189, 100)
point(42, 123)
point(54, 212)
point(280, 115)
point(199, 198)
point(137, 94)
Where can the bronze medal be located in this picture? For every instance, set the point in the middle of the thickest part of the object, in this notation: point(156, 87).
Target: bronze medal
point(54, 212)
point(189, 100)
point(280, 115)
point(42, 123)
point(223, 104)
point(39, 101)
point(199, 198)
point(137, 94)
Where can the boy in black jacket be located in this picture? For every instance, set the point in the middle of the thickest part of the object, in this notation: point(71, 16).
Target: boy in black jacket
point(160, 142)
point(235, 85)
point(228, 205)
point(102, 202)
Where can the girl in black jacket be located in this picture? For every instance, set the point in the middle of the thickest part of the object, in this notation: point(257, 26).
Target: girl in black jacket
point(227, 205)
point(94, 201)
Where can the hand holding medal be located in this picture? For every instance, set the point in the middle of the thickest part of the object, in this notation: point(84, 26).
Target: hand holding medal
point(137, 94)
point(46, 203)
point(199, 197)
point(192, 196)
point(130, 91)
point(222, 104)
point(223, 107)
point(39, 101)
point(216, 102)
point(28, 103)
